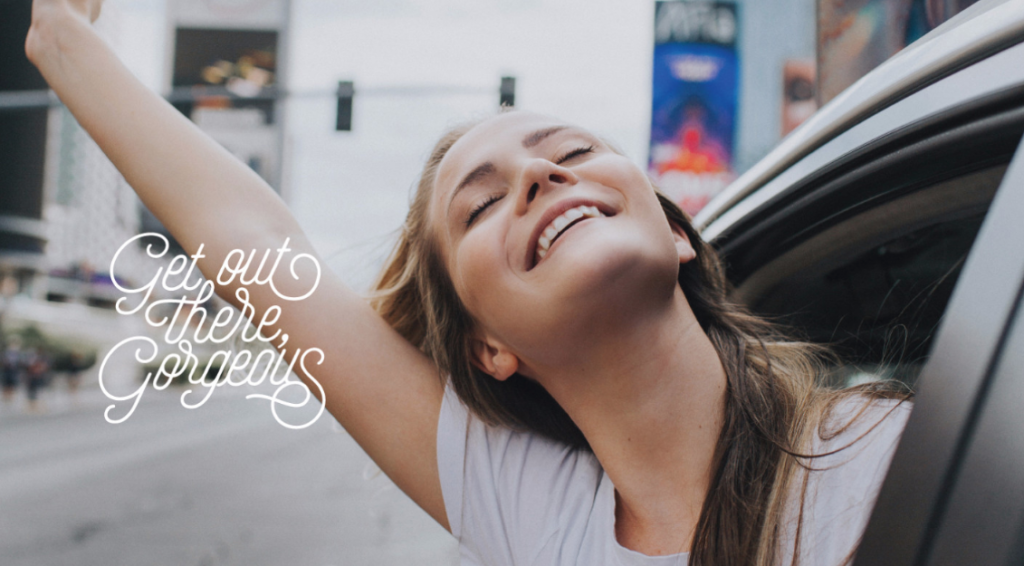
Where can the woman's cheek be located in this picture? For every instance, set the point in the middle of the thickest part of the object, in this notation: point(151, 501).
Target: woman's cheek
point(622, 173)
point(480, 263)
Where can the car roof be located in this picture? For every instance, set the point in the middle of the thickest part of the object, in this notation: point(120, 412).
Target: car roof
point(982, 29)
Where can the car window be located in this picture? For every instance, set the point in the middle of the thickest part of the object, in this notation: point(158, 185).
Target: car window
point(874, 287)
point(953, 493)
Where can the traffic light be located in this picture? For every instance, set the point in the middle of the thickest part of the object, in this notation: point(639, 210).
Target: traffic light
point(507, 95)
point(346, 90)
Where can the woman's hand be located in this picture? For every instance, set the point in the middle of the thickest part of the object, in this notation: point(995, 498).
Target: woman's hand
point(50, 18)
point(87, 10)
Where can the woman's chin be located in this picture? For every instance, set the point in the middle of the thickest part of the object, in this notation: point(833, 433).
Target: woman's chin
point(599, 273)
point(586, 291)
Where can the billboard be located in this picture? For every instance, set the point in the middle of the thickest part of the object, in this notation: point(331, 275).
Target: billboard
point(799, 102)
point(855, 36)
point(694, 100)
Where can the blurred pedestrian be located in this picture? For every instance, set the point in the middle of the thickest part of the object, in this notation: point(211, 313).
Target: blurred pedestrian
point(75, 375)
point(11, 371)
point(37, 367)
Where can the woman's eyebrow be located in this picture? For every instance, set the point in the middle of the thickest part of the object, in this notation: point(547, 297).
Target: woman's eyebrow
point(538, 136)
point(479, 173)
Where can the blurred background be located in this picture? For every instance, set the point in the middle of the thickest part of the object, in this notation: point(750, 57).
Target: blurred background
point(336, 104)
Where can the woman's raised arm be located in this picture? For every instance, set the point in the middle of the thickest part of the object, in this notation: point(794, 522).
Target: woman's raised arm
point(380, 388)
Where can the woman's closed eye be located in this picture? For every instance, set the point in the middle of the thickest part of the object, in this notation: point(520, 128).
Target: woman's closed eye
point(575, 153)
point(480, 208)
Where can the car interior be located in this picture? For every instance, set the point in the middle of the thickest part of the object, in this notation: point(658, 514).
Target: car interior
point(874, 286)
point(864, 254)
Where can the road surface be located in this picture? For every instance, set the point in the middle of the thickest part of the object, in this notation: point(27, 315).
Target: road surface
point(221, 484)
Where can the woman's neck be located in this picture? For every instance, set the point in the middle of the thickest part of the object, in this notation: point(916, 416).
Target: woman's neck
point(651, 405)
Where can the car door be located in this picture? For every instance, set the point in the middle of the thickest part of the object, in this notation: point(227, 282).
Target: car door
point(860, 244)
point(917, 276)
point(954, 493)
point(899, 243)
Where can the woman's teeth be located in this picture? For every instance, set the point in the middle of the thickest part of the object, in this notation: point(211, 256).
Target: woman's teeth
point(559, 224)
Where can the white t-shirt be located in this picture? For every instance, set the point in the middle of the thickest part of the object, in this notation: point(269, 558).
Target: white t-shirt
point(517, 498)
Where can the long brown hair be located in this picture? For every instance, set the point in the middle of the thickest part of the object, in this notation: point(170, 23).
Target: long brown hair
point(773, 400)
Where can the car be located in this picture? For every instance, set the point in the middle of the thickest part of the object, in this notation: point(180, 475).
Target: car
point(891, 226)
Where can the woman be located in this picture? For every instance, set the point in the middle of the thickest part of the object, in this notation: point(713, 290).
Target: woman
point(606, 404)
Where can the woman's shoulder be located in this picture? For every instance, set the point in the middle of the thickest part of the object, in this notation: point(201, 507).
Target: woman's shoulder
point(860, 420)
point(852, 447)
point(507, 448)
point(506, 490)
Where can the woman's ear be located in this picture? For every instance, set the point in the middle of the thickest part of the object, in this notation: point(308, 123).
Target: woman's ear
point(494, 359)
point(683, 246)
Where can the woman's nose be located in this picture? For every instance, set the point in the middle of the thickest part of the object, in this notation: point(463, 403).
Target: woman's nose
point(539, 177)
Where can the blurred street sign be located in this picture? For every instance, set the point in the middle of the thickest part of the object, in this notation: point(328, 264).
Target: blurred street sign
point(346, 91)
point(507, 95)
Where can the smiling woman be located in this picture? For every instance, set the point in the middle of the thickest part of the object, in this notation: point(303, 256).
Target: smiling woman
point(619, 408)
point(550, 367)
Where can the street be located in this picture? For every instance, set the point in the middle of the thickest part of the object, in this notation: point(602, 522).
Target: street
point(222, 484)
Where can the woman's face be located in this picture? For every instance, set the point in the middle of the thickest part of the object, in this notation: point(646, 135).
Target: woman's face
point(553, 241)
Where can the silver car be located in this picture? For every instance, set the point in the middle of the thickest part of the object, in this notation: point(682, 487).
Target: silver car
point(891, 225)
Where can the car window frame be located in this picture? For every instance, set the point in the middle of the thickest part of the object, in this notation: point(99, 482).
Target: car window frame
point(984, 519)
point(873, 226)
point(959, 97)
point(915, 511)
point(914, 501)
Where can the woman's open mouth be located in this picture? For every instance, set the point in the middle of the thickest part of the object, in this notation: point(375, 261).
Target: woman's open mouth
point(559, 225)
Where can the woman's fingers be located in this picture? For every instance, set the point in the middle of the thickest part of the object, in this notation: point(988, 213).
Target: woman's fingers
point(87, 10)
point(94, 7)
